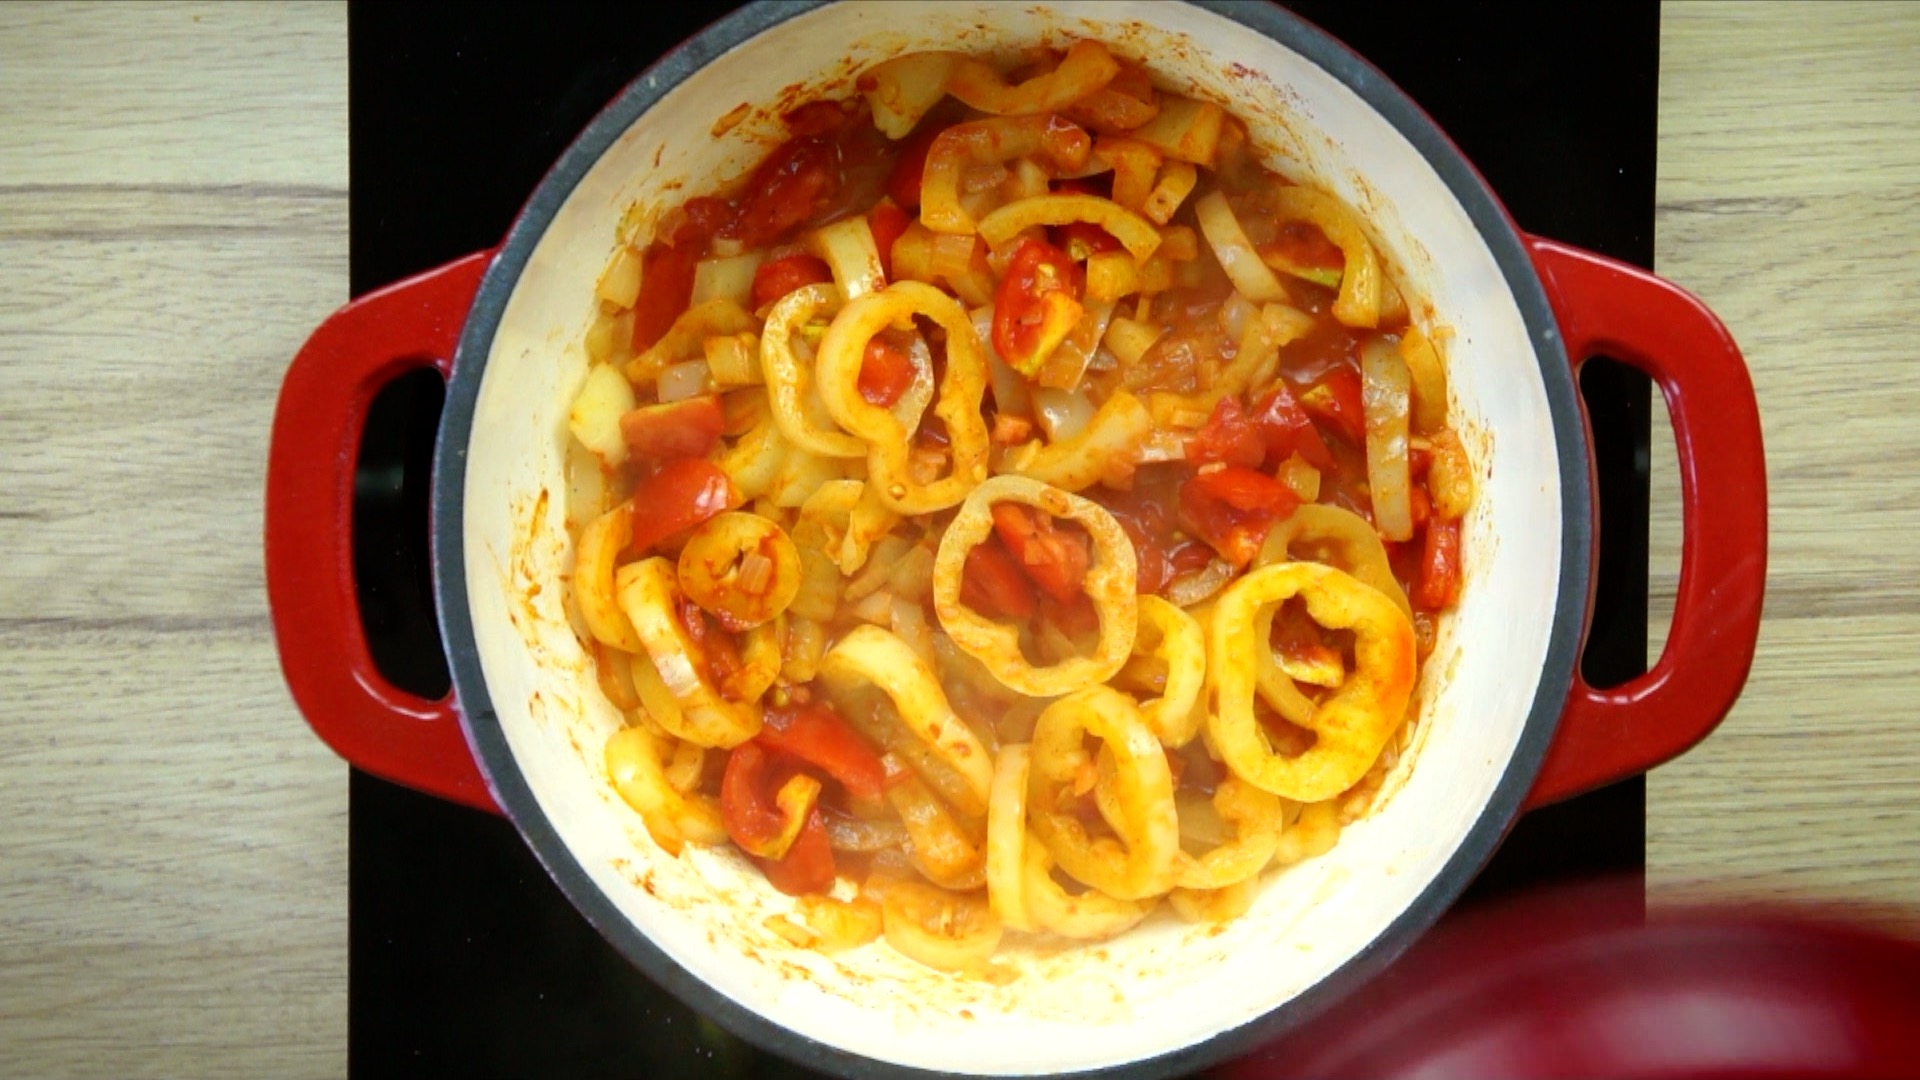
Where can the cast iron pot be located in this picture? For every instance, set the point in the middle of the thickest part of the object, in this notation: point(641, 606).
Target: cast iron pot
point(1507, 722)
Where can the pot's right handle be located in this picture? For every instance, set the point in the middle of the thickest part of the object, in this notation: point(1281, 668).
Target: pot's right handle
point(1608, 308)
point(311, 459)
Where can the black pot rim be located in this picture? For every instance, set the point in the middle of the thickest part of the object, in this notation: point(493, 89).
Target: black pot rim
point(488, 740)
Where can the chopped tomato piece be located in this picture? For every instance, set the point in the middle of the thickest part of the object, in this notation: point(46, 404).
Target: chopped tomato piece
point(1229, 437)
point(755, 821)
point(1335, 399)
point(1286, 429)
point(887, 222)
point(991, 583)
point(678, 495)
point(777, 277)
point(807, 868)
point(815, 118)
point(666, 286)
point(798, 181)
point(1232, 508)
point(1054, 557)
point(1076, 618)
point(817, 735)
point(1439, 583)
point(712, 648)
point(679, 429)
point(903, 184)
point(886, 371)
point(1036, 306)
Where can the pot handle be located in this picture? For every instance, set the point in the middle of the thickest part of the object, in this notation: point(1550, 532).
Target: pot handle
point(315, 447)
point(1612, 309)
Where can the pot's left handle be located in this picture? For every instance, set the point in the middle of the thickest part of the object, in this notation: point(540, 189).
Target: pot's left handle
point(317, 429)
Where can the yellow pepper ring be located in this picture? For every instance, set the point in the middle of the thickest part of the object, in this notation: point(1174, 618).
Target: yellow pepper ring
point(1361, 282)
point(1355, 545)
point(1178, 641)
point(1134, 232)
point(1138, 863)
point(788, 381)
point(635, 762)
point(741, 567)
point(649, 593)
point(1109, 584)
point(868, 655)
point(1090, 916)
point(1353, 723)
point(1256, 817)
point(837, 371)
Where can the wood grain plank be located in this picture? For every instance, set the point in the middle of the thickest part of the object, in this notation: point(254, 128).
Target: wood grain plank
point(172, 225)
point(1789, 200)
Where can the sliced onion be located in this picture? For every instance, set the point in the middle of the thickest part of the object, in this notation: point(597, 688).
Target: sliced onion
point(1010, 391)
point(678, 382)
point(730, 277)
point(1199, 586)
point(1063, 414)
point(1385, 391)
point(1235, 252)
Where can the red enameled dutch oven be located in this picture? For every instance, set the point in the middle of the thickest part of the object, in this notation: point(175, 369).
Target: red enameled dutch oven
point(1506, 722)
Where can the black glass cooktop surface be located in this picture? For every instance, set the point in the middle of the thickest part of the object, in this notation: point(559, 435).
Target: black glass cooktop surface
point(464, 957)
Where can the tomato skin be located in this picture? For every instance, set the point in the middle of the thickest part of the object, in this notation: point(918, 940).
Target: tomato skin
point(1439, 584)
point(807, 869)
point(1036, 305)
point(796, 182)
point(753, 819)
point(678, 495)
point(886, 372)
point(1229, 437)
point(815, 734)
point(1053, 558)
point(1232, 508)
point(992, 583)
point(666, 276)
point(1286, 429)
point(777, 277)
point(887, 222)
point(1335, 399)
point(910, 168)
point(679, 429)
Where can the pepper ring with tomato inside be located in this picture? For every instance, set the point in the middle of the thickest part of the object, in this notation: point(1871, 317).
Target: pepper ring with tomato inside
point(1352, 723)
point(1108, 584)
point(889, 441)
point(1137, 862)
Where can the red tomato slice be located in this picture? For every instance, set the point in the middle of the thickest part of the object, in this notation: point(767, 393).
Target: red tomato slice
point(903, 184)
point(1036, 306)
point(747, 791)
point(1232, 509)
point(1286, 429)
point(678, 495)
point(777, 277)
point(991, 583)
point(1335, 398)
point(666, 286)
point(796, 182)
point(886, 372)
point(753, 820)
point(1054, 558)
point(1439, 583)
point(1229, 437)
point(1076, 618)
point(678, 429)
point(817, 735)
point(887, 222)
point(807, 868)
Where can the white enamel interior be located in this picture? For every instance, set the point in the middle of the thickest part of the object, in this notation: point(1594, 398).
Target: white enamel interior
point(1166, 985)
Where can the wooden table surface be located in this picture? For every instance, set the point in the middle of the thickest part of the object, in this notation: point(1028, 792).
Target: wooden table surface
point(173, 222)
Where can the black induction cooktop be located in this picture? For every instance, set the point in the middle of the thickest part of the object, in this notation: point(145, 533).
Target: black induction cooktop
point(464, 957)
